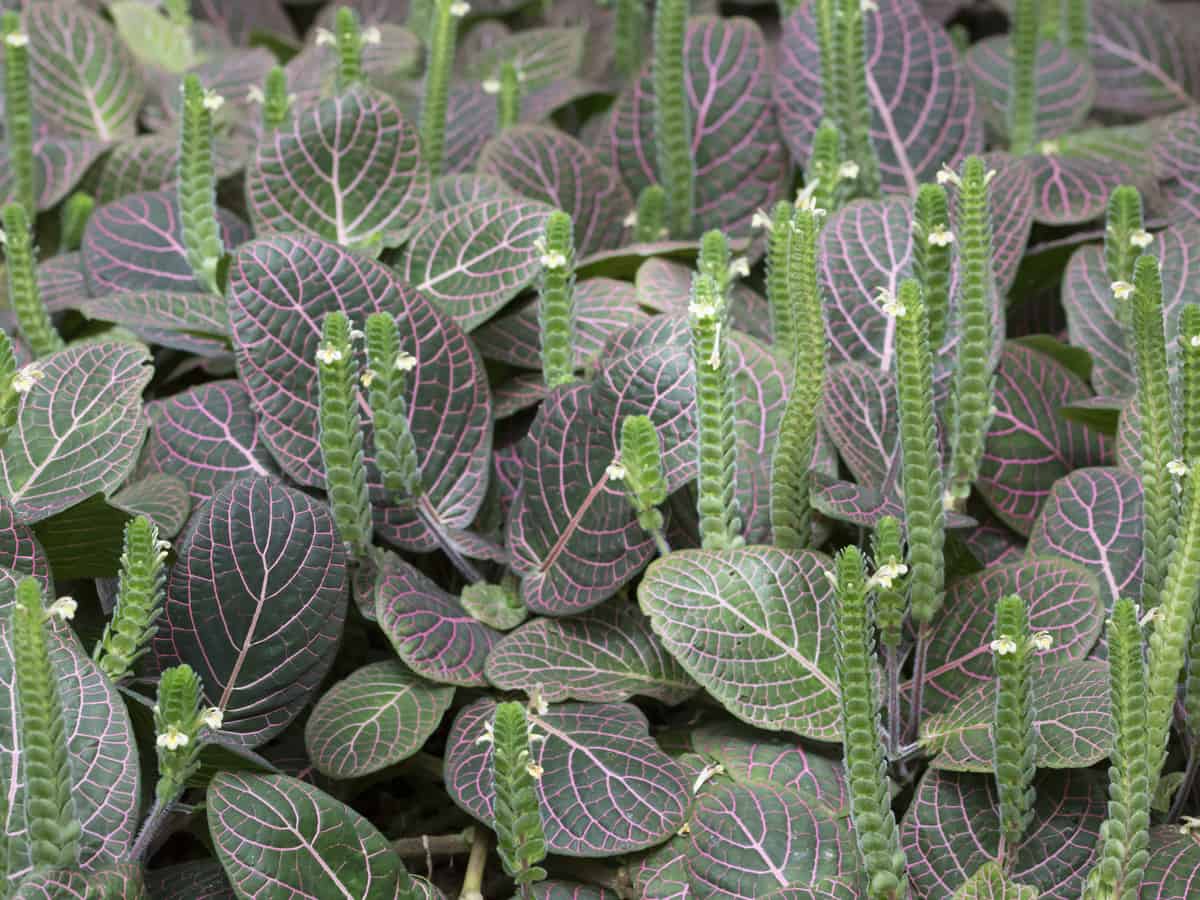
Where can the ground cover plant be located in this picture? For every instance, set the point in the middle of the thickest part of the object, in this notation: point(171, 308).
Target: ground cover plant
point(572, 450)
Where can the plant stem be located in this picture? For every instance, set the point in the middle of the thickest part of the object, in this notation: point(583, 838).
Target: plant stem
point(472, 886)
point(150, 828)
point(440, 68)
point(430, 845)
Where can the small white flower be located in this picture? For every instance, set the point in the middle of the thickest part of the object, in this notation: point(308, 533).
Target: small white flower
point(630, 221)
point(17, 39)
point(172, 738)
point(831, 577)
point(367, 377)
point(1188, 824)
point(371, 35)
point(405, 362)
point(1177, 467)
point(538, 704)
point(491, 85)
point(987, 179)
point(1194, 340)
point(535, 770)
point(886, 575)
point(325, 38)
point(255, 95)
point(740, 267)
point(329, 354)
point(890, 304)
point(1043, 640)
point(356, 334)
point(703, 310)
point(941, 236)
point(213, 101)
point(1003, 646)
point(1149, 617)
point(616, 471)
point(947, 175)
point(24, 380)
point(806, 200)
point(213, 718)
point(949, 502)
point(1141, 239)
point(848, 171)
point(870, 6)
point(3, 237)
point(684, 829)
point(705, 774)
point(64, 608)
point(460, 9)
point(1122, 290)
point(1049, 148)
point(714, 358)
point(489, 734)
point(553, 260)
point(760, 220)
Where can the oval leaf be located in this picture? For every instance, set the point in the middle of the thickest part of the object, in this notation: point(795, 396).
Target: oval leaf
point(1144, 63)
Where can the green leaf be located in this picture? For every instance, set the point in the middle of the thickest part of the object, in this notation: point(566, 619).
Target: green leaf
point(279, 837)
point(1174, 864)
point(990, 883)
point(378, 716)
point(153, 38)
point(747, 624)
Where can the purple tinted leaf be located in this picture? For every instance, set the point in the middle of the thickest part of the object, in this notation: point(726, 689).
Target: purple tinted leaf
point(519, 393)
point(58, 165)
point(452, 190)
point(1012, 215)
point(574, 538)
point(20, 555)
point(1066, 85)
point(543, 56)
point(189, 881)
point(136, 244)
point(238, 21)
point(1174, 865)
point(1030, 445)
point(60, 281)
point(865, 505)
point(661, 874)
point(666, 287)
point(163, 499)
point(1175, 141)
point(550, 166)
point(367, 185)
point(1063, 600)
point(992, 543)
point(429, 629)
point(747, 625)
point(378, 716)
point(739, 160)
point(386, 65)
point(470, 122)
point(606, 787)
point(566, 890)
point(1072, 723)
point(606, 656)
point(196, 323)
point(1144, 63)
point(923, 109)
point(78, 430)
point(1093, 319)
point(328, 844)
point(280, 290)
point(1094, 517)
point(83, 80)
point(473, 258)
point(953, 827)
point(232, 73)
point(150, 162)
point(207, 436)
point(602, 308)
point(101, 749)
point(858, 412)
point(255, 604)
point(1071, 190)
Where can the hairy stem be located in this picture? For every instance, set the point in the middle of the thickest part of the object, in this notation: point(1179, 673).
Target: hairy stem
point(673, 115)
point(438, 74)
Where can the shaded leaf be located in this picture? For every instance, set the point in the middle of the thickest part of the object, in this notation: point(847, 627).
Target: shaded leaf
point(1144, 63)
point(858, 411)
point(666, 286)
point(203, 880)
point(58, 165)
point(990, 883)
point(195, 323)
point(1069, 190)
point(161, 498)
point(452, 190)
point(1174, 864)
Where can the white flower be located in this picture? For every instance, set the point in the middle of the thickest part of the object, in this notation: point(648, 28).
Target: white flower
point(714, 358)
point(941, 236)
point(329, 354)
point(1177, 467)
point(489, 734)
point(947, 175)
point(848, 171)
point(356, 334)
point(405, 362)
point(1141, 239)
point(805, 200)
point(172, 738)
point(760, 220)
point(537, 701)
point(1003, 646)
point(684, 829)
point(703, 310)
point(705, 774)
point(491, 85)
point(371, 35)
point(1194, 340)
point(1049, 148)
point(24, 379)
point(889, 303)
point(1043, 640)
point(616, 471)
point(255, 94)
point(949, 501)
point(886, 574)
point(1188, 824)
point(213, 718)
point(831, 577)
point(367, 377)
point(17, 39)
point(64, 608)
point(870, 6)
point(552, 259)
point(630, 221)
point(325, 38)
point(535, 770)
point(213, 101)
point(1122, 290)
point(987, 179)
point(1148, 617)
point(740, 267)
point(459, 9)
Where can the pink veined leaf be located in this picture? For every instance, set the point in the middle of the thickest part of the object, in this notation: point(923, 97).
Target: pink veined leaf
point(58, 165)
point(1143, 62)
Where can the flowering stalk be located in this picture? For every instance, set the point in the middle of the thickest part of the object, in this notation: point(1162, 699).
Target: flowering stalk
point(1078, 22)
point(198, 184)
point(348, 44)
point(627, 36)
point(520, 841)
point(556, 304)
point(508, 99)
point(76, 211)
point(139, 600)
point(385, 377)
point(49, 812)
point(1125, 834)
point(438, 73)
point(800, 307)
point(1160, 466)
point(1125, 238)
point(855, 107)
point(720, 524)
point(779, 297)
point(10, 397)
point(673, 115)
point(650, 219)
point(1014, 745)
point(20, 264)
point(824, 176)
point(277, 103)
point(1022, 92)
point(971, 398)
point(1189, 355)
point(887, 548)
point(875, 829)
point(18, 112)
point(341, 435)
point(932, 242)
point(713, 259)
point(641, 469)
